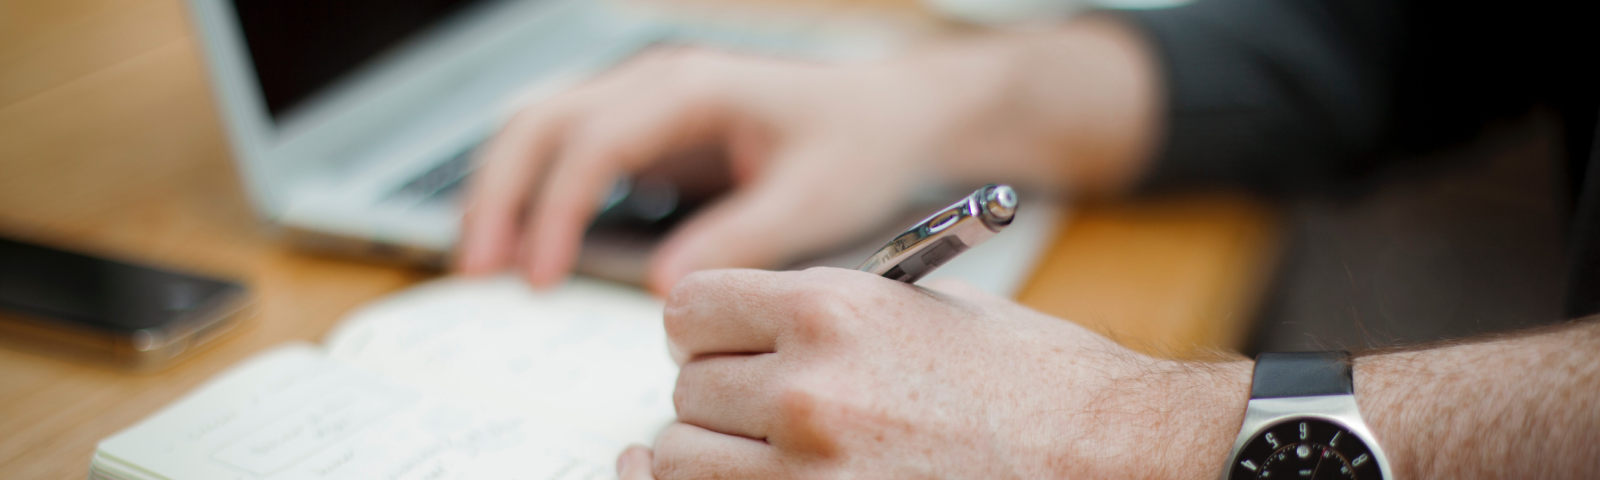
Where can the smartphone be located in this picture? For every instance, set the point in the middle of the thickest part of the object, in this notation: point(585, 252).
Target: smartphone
point(105, 311)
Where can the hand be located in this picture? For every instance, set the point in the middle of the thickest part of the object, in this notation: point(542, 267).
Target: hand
point(819, 153)
point(837, 373)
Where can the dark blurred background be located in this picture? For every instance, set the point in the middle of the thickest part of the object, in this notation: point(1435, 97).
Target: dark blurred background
point(1467, 241)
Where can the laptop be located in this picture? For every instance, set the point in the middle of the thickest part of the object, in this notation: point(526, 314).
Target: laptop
point(353, 122)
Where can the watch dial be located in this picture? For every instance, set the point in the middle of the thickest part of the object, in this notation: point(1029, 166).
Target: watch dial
point(1305, 448)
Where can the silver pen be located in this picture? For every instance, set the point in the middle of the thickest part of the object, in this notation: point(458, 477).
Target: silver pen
point(942, 236)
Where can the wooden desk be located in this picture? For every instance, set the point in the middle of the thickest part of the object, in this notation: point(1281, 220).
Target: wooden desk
point(110, 143)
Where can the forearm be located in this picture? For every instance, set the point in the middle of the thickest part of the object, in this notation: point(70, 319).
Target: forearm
point(1521, 407)
point(1074, 107)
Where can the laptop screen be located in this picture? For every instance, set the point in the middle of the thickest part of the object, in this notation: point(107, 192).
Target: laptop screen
point(301, 46)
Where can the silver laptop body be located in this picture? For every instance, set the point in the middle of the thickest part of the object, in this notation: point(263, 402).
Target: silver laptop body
point(360, 149)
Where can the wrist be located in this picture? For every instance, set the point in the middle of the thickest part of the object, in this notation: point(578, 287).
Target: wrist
point(1077, 106)
point(1201, 409)
point(966, 108)
point(1381, 383)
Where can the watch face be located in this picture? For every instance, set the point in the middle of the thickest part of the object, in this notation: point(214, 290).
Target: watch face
point(1305, 448)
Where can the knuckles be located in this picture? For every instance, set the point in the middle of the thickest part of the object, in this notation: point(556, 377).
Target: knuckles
point(811, 414)
point(829, 303)
point(826, 415)
point(684, 71)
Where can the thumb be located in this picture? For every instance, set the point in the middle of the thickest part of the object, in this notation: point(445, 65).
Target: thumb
point(635, 464)
point(752, 228)
point(804, 203)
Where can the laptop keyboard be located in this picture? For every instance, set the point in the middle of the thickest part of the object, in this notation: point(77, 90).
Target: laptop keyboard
point(443, 182)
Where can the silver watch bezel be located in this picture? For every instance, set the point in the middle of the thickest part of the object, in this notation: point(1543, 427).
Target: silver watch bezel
point(1261, 413)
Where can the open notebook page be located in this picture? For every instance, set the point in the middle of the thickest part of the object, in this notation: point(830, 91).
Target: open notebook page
point(293, 413)
point(591, 353)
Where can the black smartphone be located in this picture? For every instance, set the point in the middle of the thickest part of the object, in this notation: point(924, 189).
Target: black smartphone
point(134, 316)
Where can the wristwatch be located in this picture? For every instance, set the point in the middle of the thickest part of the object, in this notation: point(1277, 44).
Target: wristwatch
point(1302, 423)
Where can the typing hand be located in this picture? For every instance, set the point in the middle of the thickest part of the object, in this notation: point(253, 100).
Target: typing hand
point(831, 373)
point(817, 154)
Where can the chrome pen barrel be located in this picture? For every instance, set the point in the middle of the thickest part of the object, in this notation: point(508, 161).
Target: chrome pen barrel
point(945, 234)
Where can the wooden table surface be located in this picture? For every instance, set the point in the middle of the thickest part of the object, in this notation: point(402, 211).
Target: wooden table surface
point(110, 144)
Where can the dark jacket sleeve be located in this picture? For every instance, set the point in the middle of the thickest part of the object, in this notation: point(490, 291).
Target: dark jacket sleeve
point(1272, 95)
point(1296, 96)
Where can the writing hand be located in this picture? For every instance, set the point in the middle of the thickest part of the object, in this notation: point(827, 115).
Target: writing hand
point(837, 373)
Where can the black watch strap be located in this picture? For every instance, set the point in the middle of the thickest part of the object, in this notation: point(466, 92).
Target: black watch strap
point(1301, 374)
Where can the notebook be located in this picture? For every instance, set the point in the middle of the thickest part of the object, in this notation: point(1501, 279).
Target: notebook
point(462, 378)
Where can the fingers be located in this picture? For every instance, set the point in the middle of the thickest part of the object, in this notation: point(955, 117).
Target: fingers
point(635, 463)
point(799, 205)
point(760, 226)
point(510, 163)
point(688, 452)
point(559, 213)
point(696, 246)
point(730, 394)
point(724, 311)
point(593, 155)
point(575, 141)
